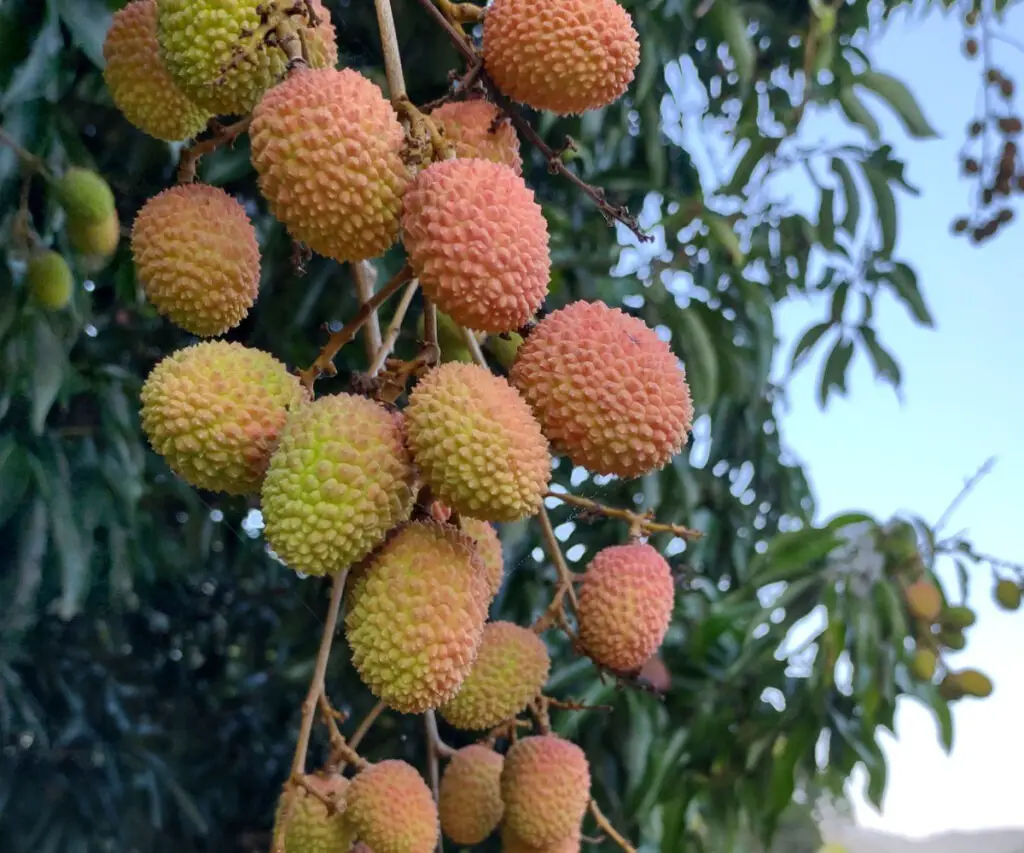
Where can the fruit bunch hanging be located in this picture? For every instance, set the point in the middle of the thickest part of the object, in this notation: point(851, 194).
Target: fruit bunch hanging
point(392, 492)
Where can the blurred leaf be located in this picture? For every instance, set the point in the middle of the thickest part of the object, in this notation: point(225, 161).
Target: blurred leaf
point(854, 109)
point(833, 374)
point(885, 207)
point(826, 219)
point(884, 364)
point(851, 198)
point(899, 97)
point(15, 474)
point(806, 343)
point(47, 371)
point(904, 284)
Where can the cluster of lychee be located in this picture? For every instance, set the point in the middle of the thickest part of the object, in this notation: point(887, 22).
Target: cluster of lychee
point(400, 497)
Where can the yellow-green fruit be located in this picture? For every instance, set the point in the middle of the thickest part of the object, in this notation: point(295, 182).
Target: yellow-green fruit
point(196, 255)
point(512, 843)
point(85, 195)
point(973, 683)
point(449, 339)
point(214, 412)
point(510, 670)
point(215, 52)
point(310, 828)
point(923, 664)
point(488, 546)
point(339, 481)
point(952, 638)
point(924, 601)
point(957, 617)
point(469, 799)
point(625, 605)
point(49, 280)
point(477, 444)
point(138, 81)
point(94, 239)
point(476, 128)
point(832, 847)
point(1008, 595)
point(505, 347)
point(392, 809)
point(950, 689)
point(546, 788)
point(327, 148)
point(416, 616)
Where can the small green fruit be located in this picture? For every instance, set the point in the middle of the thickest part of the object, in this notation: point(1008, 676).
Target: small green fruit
point(923, 664)
point(505, 348)
point(50, 280)
point(957, 617)
point(952, 638)
point(1008, 595)
point(974, 683)
point(94, 239)
point(85, 195)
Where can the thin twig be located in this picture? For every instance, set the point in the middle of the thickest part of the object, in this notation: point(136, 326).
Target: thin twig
point(430, 332)
point(366, 277)
point(983, 471)
point(389, 45)
point(473, 345)
point(189, 159)
point(394, 328)
point(366, 725)
point(554, 550)
point(608, 829)
point(28, 159)
point(433, 765)
point(637, 521)
point(434, 736)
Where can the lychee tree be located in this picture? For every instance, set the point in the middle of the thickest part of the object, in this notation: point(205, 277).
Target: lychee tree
point(298, 304)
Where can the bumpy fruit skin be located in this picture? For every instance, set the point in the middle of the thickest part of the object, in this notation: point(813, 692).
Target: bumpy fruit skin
point(510, 670)
point(214, 412)
point(469, 798)
point(416, 616)
point(565, 56)
point(139, 83)
point(512, 843)
point(957, 618)
point(196, 254)
point(625, 605)
point(1008, 595)
point(327, 148)
point(49, 280)
point(607, 391)
point(924, 601)
point(923, 664)
point(488, 546)
point(546, 788)
point(476, 443)
point(467, 125)
point(198, 42)
point(85, 195)
point(478, 242)
point(95, 239)
point(392, 809)
point(338, 482)
point(310, 828)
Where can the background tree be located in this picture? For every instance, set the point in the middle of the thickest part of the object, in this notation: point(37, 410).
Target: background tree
point(153, 655)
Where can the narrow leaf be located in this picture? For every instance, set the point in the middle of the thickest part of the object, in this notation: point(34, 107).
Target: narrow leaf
point(807, 342)
point(833, 374)
point(885, 205)
point(723, 234)
point(854, 109)
point(902, 101)
point(701, 359)
point(884, 364)
point(851, 198)
point(904, 283)
point(826, 219)
point(47, 373)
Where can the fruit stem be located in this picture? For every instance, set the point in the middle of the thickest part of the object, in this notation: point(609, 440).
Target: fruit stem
point(430, 332)
point(434, 735)
point(366, 277)
point(394, 327)
point(389, 44)
point(29, 160)
point(188, 162)
point(555, 553)
point(473, 345)
point(608, 829)
point(638, 521)
point(366, 725)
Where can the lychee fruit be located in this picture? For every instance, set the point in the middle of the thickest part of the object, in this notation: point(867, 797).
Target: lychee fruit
point(311, 827)
point(1008, 595)
point(85, 195)
point(97, 240)
point(214, 411)
point(973, 683)
point(510, 670)
point(608, 392)
point(338, 482)
point(512, 843)
point(216, 53)
point(196, 255)
point(476, 443)
point(565, 56)
point(416, 616)
point(655, 673)
point(392, 809)
point(924, 601)
point(957, 618)
point(625, 605)
point(546, 788)
point(327, 147)
point(488, 546)
point(478, 241)
point(139, 84)
point(923, 664)
point(469, 798)
point(49, 280)
point(477, 128)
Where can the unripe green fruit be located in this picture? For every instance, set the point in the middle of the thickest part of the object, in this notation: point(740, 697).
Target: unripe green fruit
point(504, 348)
point(952, 638)
point(85, 195)
point(957, 617)
point(311, 829)
point(923, 664)
point(94, 239)
point(1008, 595)
point(50, 280)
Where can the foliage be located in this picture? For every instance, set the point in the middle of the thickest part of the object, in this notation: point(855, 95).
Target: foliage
point(153, 656)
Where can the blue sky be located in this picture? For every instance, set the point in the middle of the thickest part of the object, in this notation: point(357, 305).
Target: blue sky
point(870, 451)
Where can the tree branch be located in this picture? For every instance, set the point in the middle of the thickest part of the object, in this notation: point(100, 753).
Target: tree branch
point(188, 161)
point(389, 45)
point(394, 327)
point(640, 523)
point(608, 829)
point(366, 277)
point(434, 736)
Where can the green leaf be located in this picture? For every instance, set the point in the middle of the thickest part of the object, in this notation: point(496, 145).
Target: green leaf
point(854, 109)
point(900, 98)
point(790, 555)
point(88, 22)
point(851, 198)
point(15, 474)
point(885, 206)
point(49, 363)
point(833, 374)
point(826, 219)
point(884, 364)
point(807, 342)
point(839, 296)
point(759, 147)
point(731, 26)
point(701, 359)
point(904, 284)
point(722, 232)
point(37, 75)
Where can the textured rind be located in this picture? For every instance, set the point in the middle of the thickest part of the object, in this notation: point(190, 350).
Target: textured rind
point(469, 799)
point(95, 239)
point(510, 670)
point(478, 242)
point(416, 615)
point(327, 148)
point(607, 391)
point(511, 843)
point(198, 42)
point(139, 84)
point(546, 788)
point(310, 829)
point(196, 255)
point(565, 56)
point(339, 481)
point(49, 280)
point(625, 605)
point(488, 546)
point(214, 412)
point(468, 126)
point(476, 443)
point(85, 195)
point(392, 809)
